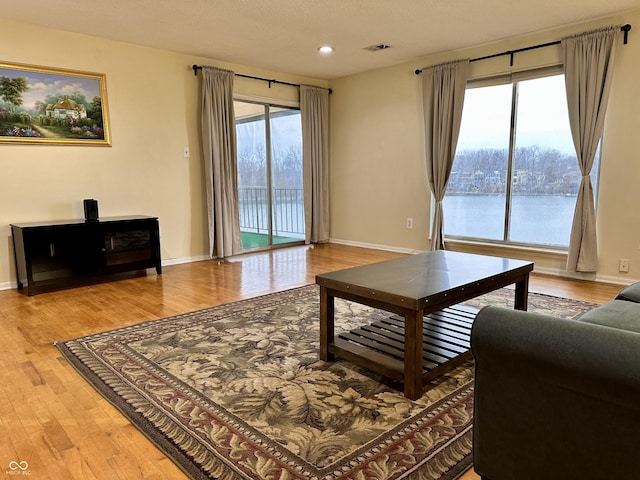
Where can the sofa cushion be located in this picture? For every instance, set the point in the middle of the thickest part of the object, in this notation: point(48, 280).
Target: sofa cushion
point(621, 314)
point(630, 293)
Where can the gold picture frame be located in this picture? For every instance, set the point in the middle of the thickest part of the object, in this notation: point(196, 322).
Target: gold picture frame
point(43, 105)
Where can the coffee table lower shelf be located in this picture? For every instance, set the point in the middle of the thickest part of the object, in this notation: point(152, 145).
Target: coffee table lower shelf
point(380, 345)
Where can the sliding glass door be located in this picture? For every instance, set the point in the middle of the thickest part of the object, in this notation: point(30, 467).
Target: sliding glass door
point(269, 174)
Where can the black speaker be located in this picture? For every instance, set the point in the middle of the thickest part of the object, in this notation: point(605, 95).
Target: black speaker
point(90, 210)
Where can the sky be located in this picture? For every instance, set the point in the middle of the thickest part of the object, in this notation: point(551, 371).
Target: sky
point(542, 116)
point(42, 84)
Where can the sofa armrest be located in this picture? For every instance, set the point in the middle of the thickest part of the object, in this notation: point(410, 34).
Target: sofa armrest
point(554, 398)
point(630, 293)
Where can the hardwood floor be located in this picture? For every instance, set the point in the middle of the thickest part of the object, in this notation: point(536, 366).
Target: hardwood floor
point(53, 420)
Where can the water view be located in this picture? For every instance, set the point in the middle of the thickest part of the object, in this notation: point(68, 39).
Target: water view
point(539, 219)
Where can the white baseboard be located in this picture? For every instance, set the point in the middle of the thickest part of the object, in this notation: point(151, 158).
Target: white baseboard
point(375, 246)
point(165, 262)
point(616, 280)
point(178, 261)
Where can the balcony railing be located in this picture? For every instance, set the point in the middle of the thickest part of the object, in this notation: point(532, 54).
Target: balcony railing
point(287, 210)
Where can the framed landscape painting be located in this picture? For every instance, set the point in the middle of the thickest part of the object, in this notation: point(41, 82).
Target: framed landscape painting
point(42, 105)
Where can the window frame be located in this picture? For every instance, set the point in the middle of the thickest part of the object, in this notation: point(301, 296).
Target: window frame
point(513, 78)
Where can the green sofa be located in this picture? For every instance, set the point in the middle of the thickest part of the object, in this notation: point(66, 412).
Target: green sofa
point(558, 398)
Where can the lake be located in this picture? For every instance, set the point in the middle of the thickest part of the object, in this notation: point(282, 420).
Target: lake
point(538, 219)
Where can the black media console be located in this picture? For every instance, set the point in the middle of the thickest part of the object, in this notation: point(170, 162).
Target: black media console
point(56, 255)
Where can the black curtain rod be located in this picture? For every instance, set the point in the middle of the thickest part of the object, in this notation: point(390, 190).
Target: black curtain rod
point(624, 28)
point(268, 80)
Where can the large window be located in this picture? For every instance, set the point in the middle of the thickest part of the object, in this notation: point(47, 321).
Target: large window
point(515, 176)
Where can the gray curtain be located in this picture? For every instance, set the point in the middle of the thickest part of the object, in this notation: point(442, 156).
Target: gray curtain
point(588, 67)
point(219, 153)
point(314, 109)
point(443, 88)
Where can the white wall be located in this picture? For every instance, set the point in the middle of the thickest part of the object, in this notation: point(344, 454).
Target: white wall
point(378, 177)
point(153, 99)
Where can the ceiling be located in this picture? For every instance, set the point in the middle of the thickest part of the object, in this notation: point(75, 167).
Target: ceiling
point(284, 35)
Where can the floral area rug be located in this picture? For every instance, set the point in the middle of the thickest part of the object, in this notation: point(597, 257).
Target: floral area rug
point(237, 392)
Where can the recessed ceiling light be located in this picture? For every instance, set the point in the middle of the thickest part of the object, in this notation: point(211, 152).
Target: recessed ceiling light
point(325, 49)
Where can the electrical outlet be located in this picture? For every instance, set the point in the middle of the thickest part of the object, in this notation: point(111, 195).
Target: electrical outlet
point(409, 223)
point(624, 265)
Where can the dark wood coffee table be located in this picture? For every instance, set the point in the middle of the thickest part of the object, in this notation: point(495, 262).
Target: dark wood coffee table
point(431, 334)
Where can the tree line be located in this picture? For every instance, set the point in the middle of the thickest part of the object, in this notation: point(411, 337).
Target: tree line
point(286, 167)
point(536, 170)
